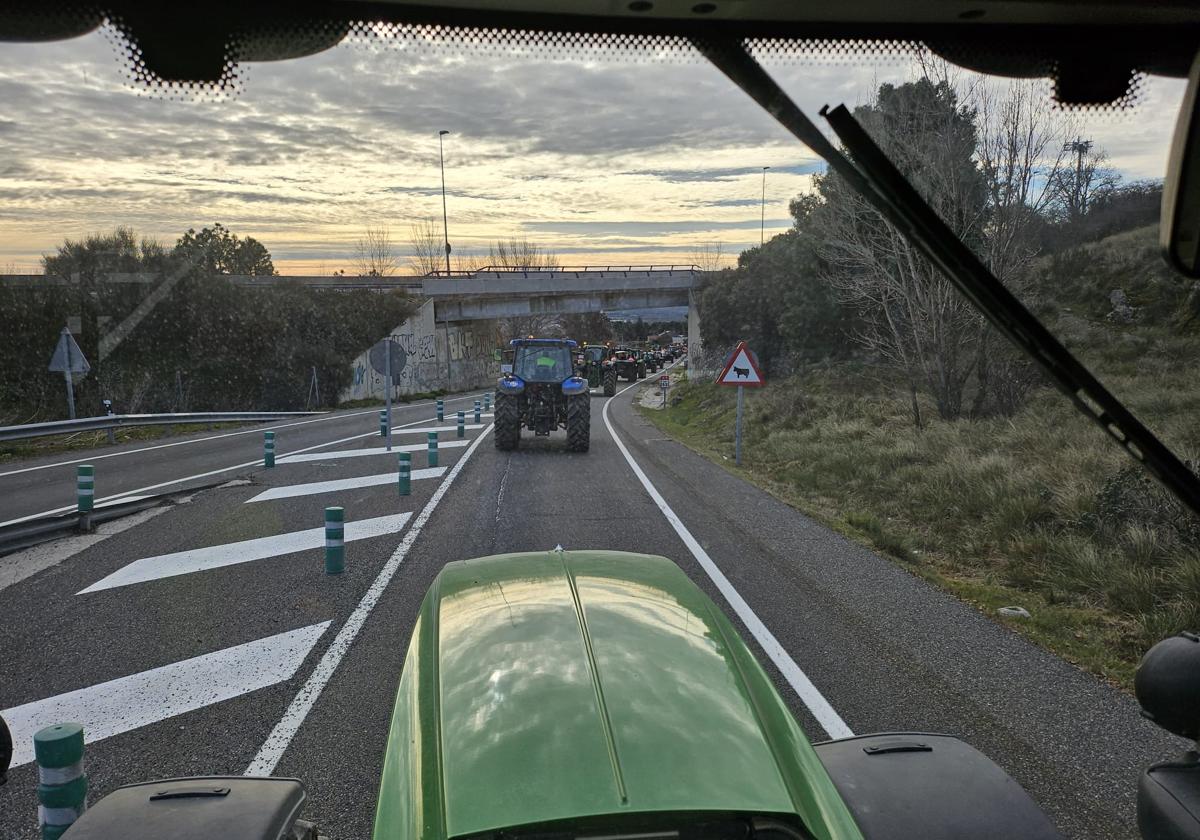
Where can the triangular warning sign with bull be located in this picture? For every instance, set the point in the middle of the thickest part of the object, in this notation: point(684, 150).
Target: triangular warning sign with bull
point(741, 369)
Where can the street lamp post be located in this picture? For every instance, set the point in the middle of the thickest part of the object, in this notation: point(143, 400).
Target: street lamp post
point(762, 222)
point(445, 224)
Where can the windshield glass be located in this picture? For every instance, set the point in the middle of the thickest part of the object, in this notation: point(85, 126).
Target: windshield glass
point(543, 363)
point(279, 285)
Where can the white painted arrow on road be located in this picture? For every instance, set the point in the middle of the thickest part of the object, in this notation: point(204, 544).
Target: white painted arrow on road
point(229, 554)
point(342, 484)
point(138, 700)
point(338, 454)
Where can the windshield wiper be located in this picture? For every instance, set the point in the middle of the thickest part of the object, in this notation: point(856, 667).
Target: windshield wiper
point(877, 180)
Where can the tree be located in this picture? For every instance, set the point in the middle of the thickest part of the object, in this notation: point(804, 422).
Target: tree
point(374, 255)
point(708, 256)
point(911, 316)
point(514, 254)
point(1085, 180)
point(427, 248)
point(592, 327)
point(214, 250)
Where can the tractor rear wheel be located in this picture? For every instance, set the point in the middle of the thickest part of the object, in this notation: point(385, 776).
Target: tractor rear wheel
point(579, 421)
point(508, 422)
point(610, 382)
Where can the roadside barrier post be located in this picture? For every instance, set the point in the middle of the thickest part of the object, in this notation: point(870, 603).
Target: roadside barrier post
point(383, 424)
point(462, 424)
point(335, 540)
point(405, 475)
point(268, 449)
point(85, 486)
point(433, 456)
point(441, 410)
point(478, 408)
point(487, 401)
point(62, 785)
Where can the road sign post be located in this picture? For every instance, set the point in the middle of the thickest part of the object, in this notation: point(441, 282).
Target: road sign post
point(741, 369)
point(388, 358)
point(664, 384)
point(68, 359)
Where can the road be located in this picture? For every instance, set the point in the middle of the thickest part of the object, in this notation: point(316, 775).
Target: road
point(248, 657)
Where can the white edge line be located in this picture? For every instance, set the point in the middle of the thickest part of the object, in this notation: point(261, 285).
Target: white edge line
point(259, 428)
point(123, 495)
point(821, 709)
point(277, 742)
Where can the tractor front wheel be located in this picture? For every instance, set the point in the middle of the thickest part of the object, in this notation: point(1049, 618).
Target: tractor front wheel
point(508, 422)
point(579, 421)
point(610, 382)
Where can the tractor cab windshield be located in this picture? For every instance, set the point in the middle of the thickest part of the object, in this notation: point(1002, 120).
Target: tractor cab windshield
point(594, 354)
point(543, 363)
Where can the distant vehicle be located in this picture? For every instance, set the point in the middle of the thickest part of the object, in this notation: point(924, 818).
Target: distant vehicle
point(629, 364)
point(596, 366)
point(542, 393)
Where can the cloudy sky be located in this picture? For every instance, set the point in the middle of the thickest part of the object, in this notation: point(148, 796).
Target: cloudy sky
point(600, 159)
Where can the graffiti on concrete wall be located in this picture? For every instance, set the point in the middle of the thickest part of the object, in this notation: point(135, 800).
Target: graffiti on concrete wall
point(420, 373)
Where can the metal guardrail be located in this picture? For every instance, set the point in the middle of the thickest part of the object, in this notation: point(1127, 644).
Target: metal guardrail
point(117, 421)
point(22, 535)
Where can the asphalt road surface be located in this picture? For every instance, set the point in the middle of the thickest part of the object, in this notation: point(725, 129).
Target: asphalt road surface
point(242, 655)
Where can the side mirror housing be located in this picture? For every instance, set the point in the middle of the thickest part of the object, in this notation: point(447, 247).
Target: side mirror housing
point(1179, 230)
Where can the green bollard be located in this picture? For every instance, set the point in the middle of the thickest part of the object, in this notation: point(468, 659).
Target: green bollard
point(383, 424)
point(487, 401)
point(441, 410)
point(335, 540)
point(462, 424)
point(268, 449)
point(405, 473)
point(85, 487)
point(478, 408)
point(62, 785)
point(433, 456)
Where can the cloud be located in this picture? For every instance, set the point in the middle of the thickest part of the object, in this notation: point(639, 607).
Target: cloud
point(588, 153)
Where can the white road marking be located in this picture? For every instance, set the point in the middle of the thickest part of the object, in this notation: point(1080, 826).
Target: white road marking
point(339, 454)
point(231, 554)
point(277, 742)
point(258, 463)
point(90, 458)
point(824, 713)
point(128, 703)
point(399, 430)
point(316, 487)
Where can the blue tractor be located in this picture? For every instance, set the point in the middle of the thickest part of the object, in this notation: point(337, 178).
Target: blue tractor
point(543, 393)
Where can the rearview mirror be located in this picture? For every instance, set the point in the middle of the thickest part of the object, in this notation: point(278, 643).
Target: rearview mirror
point(1179, 229)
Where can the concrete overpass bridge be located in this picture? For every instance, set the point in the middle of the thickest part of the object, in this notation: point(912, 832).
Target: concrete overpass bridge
point(500, 292)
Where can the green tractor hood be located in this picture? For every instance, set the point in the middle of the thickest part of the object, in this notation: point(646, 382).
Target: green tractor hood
point(587, 689)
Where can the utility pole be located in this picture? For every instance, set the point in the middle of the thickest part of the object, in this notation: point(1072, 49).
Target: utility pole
point(445, 223)
point(1080, 147)
point(762, 222)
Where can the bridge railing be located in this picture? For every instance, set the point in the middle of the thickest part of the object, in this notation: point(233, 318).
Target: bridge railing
point(562, 269)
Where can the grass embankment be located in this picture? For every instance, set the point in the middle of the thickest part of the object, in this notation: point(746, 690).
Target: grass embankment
point(1040, 510)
